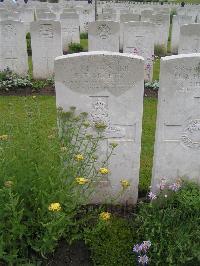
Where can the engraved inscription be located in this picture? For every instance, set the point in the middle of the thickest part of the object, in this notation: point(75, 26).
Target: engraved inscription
point(9, 32)
point(110, 75)
point(99, 115)
point(46, 31)
point(103, 31)
point(191, 135)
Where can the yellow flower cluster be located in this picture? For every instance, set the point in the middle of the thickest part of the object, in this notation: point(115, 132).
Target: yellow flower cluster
point(82, 180)
point(8, 183)
point(125, 183)
point(63, 149)
point(103, 171)
point(54, 207)
point(4, 137)
point(79, 157)
point(105, 216)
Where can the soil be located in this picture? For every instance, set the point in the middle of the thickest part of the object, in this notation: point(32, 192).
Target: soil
point(50, 90)
point(75, 255)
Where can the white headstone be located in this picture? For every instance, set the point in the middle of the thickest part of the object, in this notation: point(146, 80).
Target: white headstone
point(13, 51)
point(162, 23)
point(189, 39)
point(27, 16)
point(139, 40)
point(177, 22)
point(126, 18)
point(70, 28)
point(177, 141)
point(103, 36)
point(46, 46)
point(45, 16)
point(109, 87)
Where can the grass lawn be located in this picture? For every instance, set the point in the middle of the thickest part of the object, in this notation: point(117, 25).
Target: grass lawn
point(48, 113)
point(84, 43)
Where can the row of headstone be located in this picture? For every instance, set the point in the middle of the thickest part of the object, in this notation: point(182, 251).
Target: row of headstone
point(110, 86)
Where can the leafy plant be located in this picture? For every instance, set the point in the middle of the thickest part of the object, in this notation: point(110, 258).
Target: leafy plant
point(171, 223)
point(45, 178)
point(84, 35)
point(160, 50)
point(111, 242)
point(10, 81)
point(75, 48)
point(154, 85)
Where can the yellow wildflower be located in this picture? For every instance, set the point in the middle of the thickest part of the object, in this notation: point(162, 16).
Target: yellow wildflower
point(63, 149)
point(54, 207)
point(51, 137)
point(82, 180)
point(105, 216)
point(125, 183)
point(4, 137)
point(8, 183)
point(103, 171)
point(79, 157)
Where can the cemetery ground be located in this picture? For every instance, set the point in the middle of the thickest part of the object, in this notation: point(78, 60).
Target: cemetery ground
point(42, 214)
point(45, 218)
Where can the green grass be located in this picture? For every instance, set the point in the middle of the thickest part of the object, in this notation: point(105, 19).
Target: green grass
point(48, 106)
point(84, 43)
point(156, 69)
point(149, 118)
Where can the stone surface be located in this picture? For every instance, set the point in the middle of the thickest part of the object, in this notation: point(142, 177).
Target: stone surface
point(126, 18)
point(177, 145)
point(46, 45)
point(139, 40)
point(70, 29)
point(162, 22)
point(109, 87)
point(189, 39)
point(103, 36)
point(13, 53)
point(177, 22)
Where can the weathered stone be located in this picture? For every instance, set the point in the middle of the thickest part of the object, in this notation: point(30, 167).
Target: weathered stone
point(103, 36)
point(189, 39)
point(109, 87)
point(46, 46)
point(177, 141)
point(13, 51)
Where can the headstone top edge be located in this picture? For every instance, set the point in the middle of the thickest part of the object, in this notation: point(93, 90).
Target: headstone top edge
point(83, 54)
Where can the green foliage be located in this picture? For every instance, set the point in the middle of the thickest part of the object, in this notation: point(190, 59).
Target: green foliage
point(154, 85)
point(84, 35)
point(172, 225)
point(38, 168)
point(28, 43)
point(160, 50)
point(75, 48)
point(111, 242)
point(12, 82)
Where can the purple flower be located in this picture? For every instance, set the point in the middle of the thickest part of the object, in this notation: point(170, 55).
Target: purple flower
point(162, 184)
point(137, 248)
point(146, 245)
point(175, 186)
point(143, 259)
point(152, 196)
